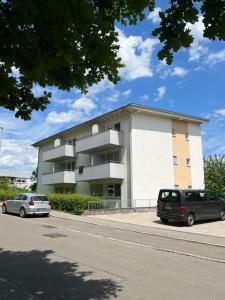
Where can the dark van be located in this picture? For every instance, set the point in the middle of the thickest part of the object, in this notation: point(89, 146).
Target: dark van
point(189, 206)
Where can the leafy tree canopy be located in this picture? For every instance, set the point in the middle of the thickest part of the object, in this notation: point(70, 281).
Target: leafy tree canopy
point(73, 43)
point(214, 169)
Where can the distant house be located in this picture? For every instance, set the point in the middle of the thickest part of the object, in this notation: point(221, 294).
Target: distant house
point(126, 155)
point(18, 182)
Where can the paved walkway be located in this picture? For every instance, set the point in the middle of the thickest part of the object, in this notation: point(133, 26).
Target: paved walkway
point(213, 228)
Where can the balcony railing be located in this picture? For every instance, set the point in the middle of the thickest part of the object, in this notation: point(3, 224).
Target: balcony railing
point(107, 170)
point(59, 153)
point(100, 141)
point(63, 176)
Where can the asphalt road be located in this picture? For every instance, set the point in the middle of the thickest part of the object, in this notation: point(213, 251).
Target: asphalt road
point(53, 258)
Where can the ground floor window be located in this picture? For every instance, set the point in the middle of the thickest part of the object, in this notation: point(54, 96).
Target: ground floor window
point(97, 190)
point(114, 190)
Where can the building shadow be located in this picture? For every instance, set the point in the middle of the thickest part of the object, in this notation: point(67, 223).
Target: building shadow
point(33, 275)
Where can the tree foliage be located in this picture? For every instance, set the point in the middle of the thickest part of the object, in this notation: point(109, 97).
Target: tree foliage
point(73, 43)
point(214, 168)
point(34, 177)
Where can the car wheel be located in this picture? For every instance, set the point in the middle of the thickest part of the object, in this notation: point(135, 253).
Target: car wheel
point(164, 220)
point(22, 213)
point(190, 220)
point(4, 209)
point(222, 215)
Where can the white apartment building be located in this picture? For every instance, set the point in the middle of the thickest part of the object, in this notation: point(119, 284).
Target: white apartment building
point(18, 182)
point(125, 156)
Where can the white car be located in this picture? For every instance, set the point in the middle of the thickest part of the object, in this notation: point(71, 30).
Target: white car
point(27, 204)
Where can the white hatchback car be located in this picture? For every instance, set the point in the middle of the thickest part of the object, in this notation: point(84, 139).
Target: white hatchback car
point(27, 204)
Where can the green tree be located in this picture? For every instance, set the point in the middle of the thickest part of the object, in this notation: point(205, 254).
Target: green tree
point(73, 43)
point(214, 168)
point(34, 176)
point(4, 183)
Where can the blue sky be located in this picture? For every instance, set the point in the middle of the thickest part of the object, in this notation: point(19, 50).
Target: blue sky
point(193, 84)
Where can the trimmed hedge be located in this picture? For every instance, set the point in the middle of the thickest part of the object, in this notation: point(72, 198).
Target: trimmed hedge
point(73, 203)
point(10, 193)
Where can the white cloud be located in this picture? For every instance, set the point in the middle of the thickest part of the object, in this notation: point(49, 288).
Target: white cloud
point(154, 15)
point(178, 71)
point(55, 117)
point(160, 93)
point(145, 97)
point(220, 112)
point(84, 104)
point(17, 158)
point(216, 57)
point(197, 29)
point(136, 55)
point(126, 93)
point(101, 87)
point(113, 97)
point(196, 51)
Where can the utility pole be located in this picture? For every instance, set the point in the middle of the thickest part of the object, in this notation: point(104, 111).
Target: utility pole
point(1, 128)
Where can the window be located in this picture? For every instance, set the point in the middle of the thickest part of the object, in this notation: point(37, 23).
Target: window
point(187, 136)
point(17, 197)
point(201, 196)
point(115, 126)
point(190, 196)
point(175, 160)
point(172, 196)
point(188, 161)
point(114, 190)
point(173, 132)
point(97, 190)
point(211, 197)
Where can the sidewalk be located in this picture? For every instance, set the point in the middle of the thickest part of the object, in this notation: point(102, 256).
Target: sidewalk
point(212, 228)
point(144, 223)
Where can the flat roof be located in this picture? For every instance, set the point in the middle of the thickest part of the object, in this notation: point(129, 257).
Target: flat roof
point(131, 107)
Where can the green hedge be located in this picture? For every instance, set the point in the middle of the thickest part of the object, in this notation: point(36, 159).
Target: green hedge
point(10, 193)
point(73, 203)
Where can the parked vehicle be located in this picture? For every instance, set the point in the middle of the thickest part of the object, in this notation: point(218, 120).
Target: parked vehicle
point(189, 206)
point(27, 204)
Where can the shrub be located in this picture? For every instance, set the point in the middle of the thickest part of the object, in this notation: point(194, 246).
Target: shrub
point(10, 193)
point(73, 203)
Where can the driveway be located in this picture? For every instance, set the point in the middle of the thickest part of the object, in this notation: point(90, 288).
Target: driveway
point(213, 228)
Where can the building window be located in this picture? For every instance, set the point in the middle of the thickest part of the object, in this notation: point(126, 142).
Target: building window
point(175, 160)
point(187, 136)
point(114, 190)
point(115, 126)
point(97, 190)
point(188, 161)
point(173, 132)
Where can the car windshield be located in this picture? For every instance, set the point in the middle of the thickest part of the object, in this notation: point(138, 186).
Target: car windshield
point(39, 198)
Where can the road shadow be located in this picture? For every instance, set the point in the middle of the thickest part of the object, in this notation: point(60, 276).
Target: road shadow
point(33, 275)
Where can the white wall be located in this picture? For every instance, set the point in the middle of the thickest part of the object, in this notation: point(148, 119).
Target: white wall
point(152, 164)
point(197, 170)
point(44, 167)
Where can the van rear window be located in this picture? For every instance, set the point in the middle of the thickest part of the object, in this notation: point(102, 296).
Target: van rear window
point(173, 196)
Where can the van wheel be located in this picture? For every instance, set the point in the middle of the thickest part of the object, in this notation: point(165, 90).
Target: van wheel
point(222, 215)
point(164, 220)
point(4, 209)
point(22, 213)
point(190, 220)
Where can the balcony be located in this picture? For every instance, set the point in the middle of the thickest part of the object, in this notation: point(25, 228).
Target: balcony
point(103, 171)
point(59, 153)
point(100, 141)
point(59, 177)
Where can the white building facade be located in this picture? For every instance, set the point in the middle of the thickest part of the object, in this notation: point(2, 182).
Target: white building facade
point(125, 156)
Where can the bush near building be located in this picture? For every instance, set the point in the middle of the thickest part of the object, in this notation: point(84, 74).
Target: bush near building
point(214, 169)
point(72, 203)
